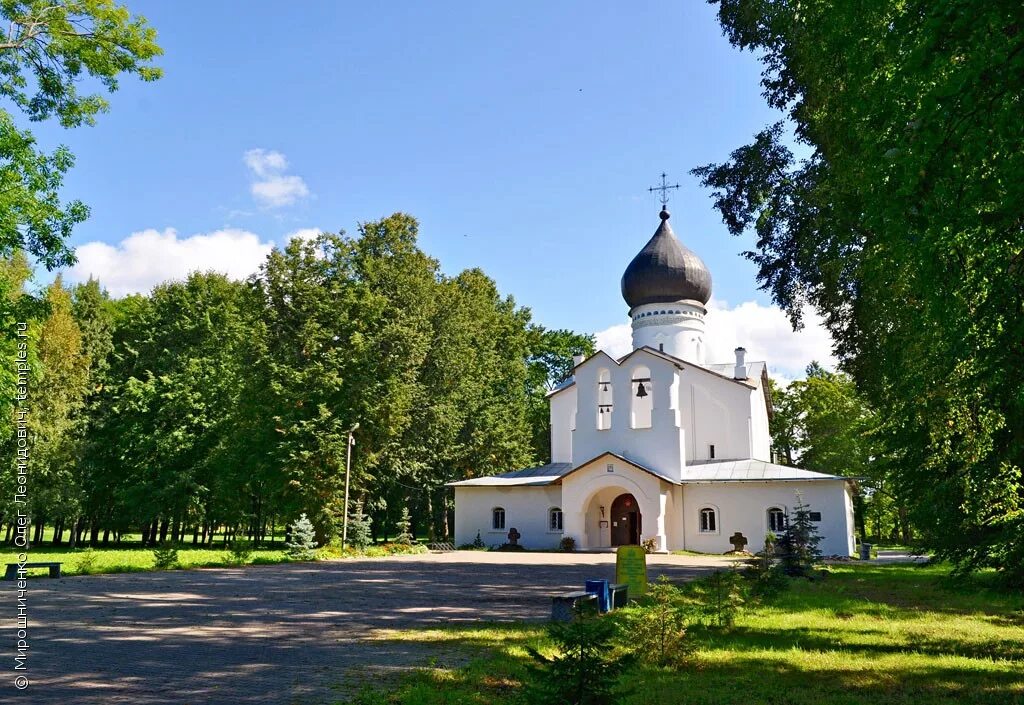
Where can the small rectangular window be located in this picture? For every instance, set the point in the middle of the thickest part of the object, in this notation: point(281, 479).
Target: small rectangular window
point(708, 521)
point(555, 520)
point(611, 468)
point(711, 451)
point(815, 516)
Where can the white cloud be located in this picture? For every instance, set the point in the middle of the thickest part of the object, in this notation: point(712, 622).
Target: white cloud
point(763, 330)
point(262, 162)
point(302, 234)
point(144, 259)
point(271, 186)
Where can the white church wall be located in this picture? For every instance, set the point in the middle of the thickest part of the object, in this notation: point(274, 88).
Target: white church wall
point(761, 437)
point(526, 509)
point(586, 490)
point(674, 328)
point(563, 420)
point(743, 507)
point(657, 446)
point(714, 411)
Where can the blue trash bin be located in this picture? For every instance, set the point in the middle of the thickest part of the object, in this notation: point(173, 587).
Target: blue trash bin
point(599, 588)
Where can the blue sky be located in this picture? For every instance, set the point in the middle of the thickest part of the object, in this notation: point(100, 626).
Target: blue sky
point(522, 136)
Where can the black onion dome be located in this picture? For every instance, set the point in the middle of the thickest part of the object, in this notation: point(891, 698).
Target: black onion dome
point(665, 271)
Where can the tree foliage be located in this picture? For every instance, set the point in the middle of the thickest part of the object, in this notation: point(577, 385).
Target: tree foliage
point(47, 48)
point(211, 406)
point(902, 226)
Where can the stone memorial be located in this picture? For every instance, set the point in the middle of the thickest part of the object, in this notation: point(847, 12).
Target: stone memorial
point(738, 541)
point(513, 541)
point(631, 569)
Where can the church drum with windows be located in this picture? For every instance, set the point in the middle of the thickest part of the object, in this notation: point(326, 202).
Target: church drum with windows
point(658, 446)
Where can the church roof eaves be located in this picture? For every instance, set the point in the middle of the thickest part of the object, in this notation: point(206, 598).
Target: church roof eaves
point(524, 477)
point(683, 364)
point(561, 387)
point(749, 470)
point(624, 459)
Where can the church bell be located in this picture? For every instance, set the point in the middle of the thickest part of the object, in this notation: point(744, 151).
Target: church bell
point(641, 391)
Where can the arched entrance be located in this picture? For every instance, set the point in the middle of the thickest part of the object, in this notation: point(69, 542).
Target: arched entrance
point(626, 521)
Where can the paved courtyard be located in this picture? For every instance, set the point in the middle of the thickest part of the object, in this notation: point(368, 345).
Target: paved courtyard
point(301, 633)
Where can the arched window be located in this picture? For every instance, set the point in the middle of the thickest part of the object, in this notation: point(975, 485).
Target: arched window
point(708, 520)
point(604, 400)
point(555, 519)
point(498, 518)
point(642, 398)
point(776, 520)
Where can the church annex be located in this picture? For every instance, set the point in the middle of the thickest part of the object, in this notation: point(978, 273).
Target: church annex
point(658, 445)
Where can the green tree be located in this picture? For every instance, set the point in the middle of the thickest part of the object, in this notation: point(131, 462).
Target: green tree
point(169, 409)
point(784, 424)
point(56, 402)
point(404, 536)
point(359, 527)
point(47, 48)
point(550, 362)
point(302, 544)
point(902, 227)
point(797, 548)
point(587, 667)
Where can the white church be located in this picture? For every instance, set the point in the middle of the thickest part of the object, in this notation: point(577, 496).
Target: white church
point(659, 445)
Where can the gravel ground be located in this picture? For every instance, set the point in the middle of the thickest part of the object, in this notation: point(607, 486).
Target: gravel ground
point(299, 633)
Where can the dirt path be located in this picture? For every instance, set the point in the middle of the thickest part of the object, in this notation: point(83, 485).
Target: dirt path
point(274, 634)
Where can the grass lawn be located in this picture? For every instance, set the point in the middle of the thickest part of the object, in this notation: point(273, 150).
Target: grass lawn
point(137, 559)
point(892, 634)
point(129, 560)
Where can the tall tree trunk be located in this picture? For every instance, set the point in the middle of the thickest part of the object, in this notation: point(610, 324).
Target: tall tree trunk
point(94, 533)
point(164, 526)
point(106, 537)
point(58, 532)
point(430, 517)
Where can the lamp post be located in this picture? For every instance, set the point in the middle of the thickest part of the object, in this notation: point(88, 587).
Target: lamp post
point(348, 471)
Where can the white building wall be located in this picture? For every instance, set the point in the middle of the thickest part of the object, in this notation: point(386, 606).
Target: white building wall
point(676, 329)
point(714, 411)
point(563, 421)
point(743, 507)
point(761, 437)
point(658, 446)
point(526, 509)
point(586, 490)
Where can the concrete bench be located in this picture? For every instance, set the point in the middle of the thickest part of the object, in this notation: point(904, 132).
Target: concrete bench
point(12, 569)
point(564, 606)
point(619, 594)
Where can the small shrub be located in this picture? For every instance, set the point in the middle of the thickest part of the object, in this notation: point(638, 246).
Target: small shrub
point(478, 542)
point(302, 545)
point(567, 544)
point(586, 669)
point(649, 545)
point(656, 625)
point(763, 572)
point(86, 562)
point(404, 526)
point(359, 527)
point(241, 551)
point(722, 597)
point(166, 557)
point(798, 547)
